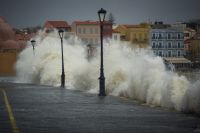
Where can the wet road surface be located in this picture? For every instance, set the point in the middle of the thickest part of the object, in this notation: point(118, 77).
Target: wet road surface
point(43, 109)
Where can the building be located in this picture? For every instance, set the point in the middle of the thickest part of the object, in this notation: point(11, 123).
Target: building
point(89, 31)
point(193, 24)
point(179, 25)
point(161, 25)
point(167, 42)
point(6, 31)
point(194, 48)
point(9, 49)
point(188, 32)
point(135, 34)
point(50, 25)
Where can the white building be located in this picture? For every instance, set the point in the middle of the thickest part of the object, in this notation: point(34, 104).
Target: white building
point(115, 36)
point(167, 42)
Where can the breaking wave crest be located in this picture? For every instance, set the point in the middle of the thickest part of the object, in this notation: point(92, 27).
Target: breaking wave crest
point(130, 72)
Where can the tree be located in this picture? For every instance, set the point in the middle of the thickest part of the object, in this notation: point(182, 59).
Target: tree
point(111, 18)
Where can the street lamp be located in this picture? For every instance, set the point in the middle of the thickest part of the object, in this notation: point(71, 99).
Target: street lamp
point(33, 45)
point(61, 34)
point(101, 14)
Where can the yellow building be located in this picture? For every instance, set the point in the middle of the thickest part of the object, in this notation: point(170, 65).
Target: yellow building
point(194, 48)
point(135, 34)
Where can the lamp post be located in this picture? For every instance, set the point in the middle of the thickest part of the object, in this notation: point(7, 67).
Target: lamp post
point(101, 14)
point(33, 45)
point(61, 34)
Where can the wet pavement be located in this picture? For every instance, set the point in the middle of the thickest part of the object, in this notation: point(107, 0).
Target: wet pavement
point(44, 109)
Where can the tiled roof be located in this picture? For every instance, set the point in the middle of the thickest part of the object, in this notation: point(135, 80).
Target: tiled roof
point(89, 22)
point(132, 26)
point(58, 24)
point(86, 22)
point(114, 31)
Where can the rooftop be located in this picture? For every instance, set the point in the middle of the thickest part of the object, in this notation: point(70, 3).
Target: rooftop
point(58, 24)
point(89, 22)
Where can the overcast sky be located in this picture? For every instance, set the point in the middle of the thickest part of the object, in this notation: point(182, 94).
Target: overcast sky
point(22, 13)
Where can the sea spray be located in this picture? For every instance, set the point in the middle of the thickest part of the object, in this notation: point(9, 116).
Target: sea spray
point(130, 72)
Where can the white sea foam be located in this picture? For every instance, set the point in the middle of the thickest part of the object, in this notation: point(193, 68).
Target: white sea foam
point(130, 72)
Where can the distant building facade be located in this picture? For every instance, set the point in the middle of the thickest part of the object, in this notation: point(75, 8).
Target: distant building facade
point(194, 48)
point(135, 34)
point(122, 30)
point(89, 31)
point(167, 42)
point(9, 48)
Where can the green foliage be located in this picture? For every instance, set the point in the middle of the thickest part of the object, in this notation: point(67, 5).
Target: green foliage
point(111, 18)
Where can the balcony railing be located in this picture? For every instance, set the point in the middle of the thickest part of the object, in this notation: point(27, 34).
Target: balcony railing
point(171, 38)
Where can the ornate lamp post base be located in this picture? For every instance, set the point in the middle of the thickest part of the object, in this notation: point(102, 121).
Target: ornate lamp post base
point(63, 80)
point(102, 86)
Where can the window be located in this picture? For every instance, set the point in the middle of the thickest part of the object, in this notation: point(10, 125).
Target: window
point(154, 45)
point(115, 37)
point(154, 36)
point(160, 36)
point(179, 36)
point(91, 31)
point(160, 45)
point(79, 30)
point(84, 30)
point(179, 45)
point(169, 54)
point(160, 53)
point(179, 53)
point(96, 30)
point(169, 45)
point(168, 36)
